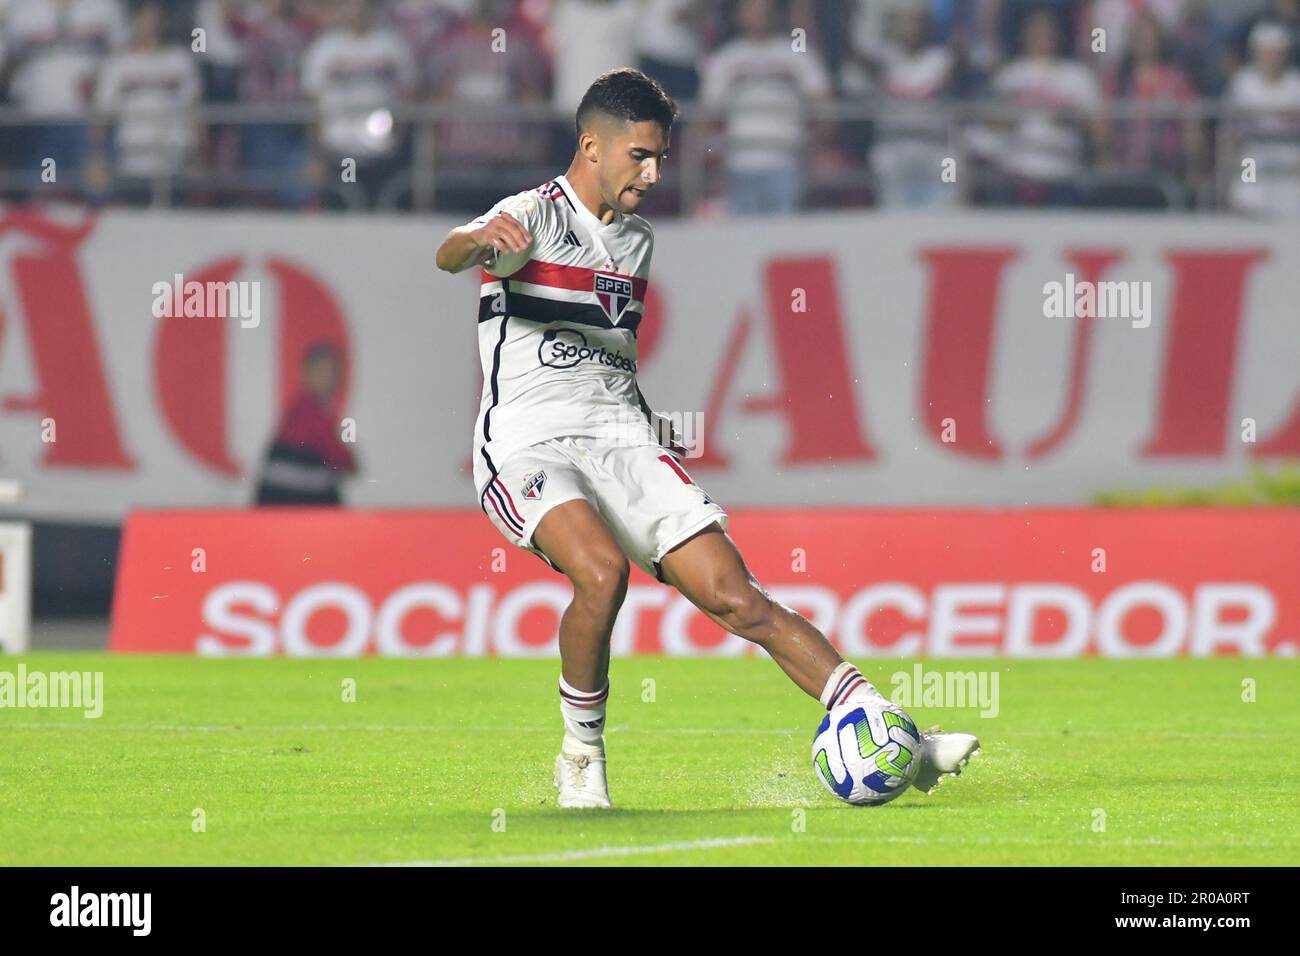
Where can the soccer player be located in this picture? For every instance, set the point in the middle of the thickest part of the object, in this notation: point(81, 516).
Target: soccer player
point(571, 464)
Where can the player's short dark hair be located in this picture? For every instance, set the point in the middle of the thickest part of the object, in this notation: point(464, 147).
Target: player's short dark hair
point(627, 94)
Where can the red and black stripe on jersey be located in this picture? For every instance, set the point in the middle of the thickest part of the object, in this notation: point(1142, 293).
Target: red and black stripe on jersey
point(542, 309)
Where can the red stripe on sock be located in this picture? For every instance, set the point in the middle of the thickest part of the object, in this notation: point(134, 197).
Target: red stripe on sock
point(589, 706)
point(847, 675)
point(585, 698)
point(848, 688)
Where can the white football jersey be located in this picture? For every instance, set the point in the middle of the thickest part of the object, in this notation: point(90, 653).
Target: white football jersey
point(557, 328)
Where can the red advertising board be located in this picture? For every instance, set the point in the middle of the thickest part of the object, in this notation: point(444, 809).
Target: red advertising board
point(891, 583)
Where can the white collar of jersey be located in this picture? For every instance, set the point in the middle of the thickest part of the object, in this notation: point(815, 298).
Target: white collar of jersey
point(584, 213)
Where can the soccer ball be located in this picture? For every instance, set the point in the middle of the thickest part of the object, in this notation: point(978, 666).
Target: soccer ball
point(866, 753)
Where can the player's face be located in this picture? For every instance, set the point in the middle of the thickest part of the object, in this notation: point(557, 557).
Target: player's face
point(631, 163)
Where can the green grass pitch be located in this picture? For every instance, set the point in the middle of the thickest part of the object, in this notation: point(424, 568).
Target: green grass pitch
point(449, 761)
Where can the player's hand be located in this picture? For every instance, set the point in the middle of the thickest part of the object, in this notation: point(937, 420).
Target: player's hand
point(503, 234)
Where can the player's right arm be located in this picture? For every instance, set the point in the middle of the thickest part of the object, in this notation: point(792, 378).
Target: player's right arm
point(469, 246)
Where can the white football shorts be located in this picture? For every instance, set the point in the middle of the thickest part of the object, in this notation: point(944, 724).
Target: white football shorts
point(642, 492)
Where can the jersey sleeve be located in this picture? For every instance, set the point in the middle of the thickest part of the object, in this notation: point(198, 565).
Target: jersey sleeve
point(530, 210)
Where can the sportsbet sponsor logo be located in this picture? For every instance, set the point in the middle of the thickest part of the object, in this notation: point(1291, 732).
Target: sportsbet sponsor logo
point(565, 348)
point(430, 618)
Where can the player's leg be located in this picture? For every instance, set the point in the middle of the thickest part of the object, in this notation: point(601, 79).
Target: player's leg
point(539, 499)
point(708, 569)
point(577, 541)
point(665, 522)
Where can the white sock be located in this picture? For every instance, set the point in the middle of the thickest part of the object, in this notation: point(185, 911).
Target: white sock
point(846, 683)
point(583, 712)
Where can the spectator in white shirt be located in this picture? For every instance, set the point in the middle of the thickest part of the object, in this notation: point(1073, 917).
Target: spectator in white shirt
point(911, 129)
point(670, 42)
point(1054, 101)
point(589, 37)
point(53, 50)
point(763, 88)
point(359, 75)
point(475, 148)
point(1267, 130)
point(149, 91)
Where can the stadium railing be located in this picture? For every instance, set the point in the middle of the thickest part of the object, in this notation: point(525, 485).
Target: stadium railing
point(835, 157)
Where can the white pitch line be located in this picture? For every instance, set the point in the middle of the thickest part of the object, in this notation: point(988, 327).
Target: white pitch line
point(622, 851)
point(599, 852)
point(1051, 841)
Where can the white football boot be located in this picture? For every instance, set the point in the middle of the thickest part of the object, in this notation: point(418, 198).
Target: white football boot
point(580, 775)
point(943, 754)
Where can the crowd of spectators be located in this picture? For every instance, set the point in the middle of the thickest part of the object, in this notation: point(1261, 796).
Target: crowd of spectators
point(788, 103)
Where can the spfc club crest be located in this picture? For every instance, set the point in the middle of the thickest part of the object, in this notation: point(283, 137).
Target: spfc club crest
point(534, 483)
point(614, 293)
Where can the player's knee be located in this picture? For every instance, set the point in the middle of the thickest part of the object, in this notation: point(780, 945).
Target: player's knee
point(600, 576)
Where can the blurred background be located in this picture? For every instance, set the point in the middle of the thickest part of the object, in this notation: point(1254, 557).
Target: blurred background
point(919, 172)
point(250, 103)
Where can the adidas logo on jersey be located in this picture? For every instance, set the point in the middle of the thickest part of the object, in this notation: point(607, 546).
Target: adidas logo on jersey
point(572, 240)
